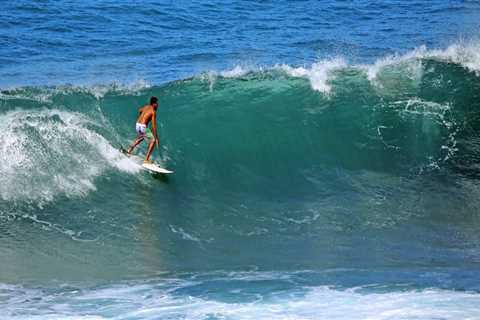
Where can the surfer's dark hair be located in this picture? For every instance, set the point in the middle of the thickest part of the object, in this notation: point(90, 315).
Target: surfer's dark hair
point(153, 100)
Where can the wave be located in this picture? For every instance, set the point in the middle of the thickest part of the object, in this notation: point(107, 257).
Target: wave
point(402, 115)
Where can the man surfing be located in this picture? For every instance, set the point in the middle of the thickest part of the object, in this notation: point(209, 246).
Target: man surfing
point(147, 113)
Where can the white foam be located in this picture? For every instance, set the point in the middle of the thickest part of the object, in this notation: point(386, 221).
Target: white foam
point(150, 301)
point(212, 75)
point(45, 153)
point(319, 74)
point(373, 70)
point(465, 54)
point(322, 72)
point(238, 71)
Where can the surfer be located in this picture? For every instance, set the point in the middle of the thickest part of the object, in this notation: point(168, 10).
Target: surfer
point(147, 113)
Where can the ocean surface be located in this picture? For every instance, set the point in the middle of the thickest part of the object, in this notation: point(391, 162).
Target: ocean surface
point(326, 158)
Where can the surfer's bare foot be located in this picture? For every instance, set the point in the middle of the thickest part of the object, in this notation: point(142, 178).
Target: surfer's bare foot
point(147, 161)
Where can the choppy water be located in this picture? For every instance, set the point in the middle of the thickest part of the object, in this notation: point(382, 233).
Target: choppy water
point(325, 159)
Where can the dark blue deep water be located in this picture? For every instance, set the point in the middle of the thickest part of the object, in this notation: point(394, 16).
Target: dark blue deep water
point(326, 158)
point(98, 42)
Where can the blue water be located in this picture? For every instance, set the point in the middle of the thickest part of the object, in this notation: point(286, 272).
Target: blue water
point(58, 42)
point(325, 156)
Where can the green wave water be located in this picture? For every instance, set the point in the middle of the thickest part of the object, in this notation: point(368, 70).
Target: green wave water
point(268, 124)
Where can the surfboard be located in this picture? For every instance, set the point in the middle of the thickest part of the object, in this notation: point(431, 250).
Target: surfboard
point(155, 168)
point(151, 167)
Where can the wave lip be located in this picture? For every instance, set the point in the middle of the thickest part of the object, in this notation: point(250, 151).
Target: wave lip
point(410, 64)
point(319, 74)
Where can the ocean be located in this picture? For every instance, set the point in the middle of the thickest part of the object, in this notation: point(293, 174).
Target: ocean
point(326, 158)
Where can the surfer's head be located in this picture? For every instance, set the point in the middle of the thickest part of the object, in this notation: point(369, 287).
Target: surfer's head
point(154, 102)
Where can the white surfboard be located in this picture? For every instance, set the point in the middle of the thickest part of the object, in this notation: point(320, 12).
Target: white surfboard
point(152, 167)
point(155, 168)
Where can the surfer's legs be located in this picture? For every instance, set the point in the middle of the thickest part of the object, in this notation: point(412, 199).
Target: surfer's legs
point(135, 143)
point(150, 149)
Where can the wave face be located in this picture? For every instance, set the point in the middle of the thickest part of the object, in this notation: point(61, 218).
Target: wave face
point(318, 181)
point(401, 116)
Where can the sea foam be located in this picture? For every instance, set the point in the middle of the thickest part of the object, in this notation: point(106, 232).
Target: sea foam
point(49, 152)
point(166, 301)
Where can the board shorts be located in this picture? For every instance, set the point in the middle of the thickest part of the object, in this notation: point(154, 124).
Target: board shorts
point(143, 131)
